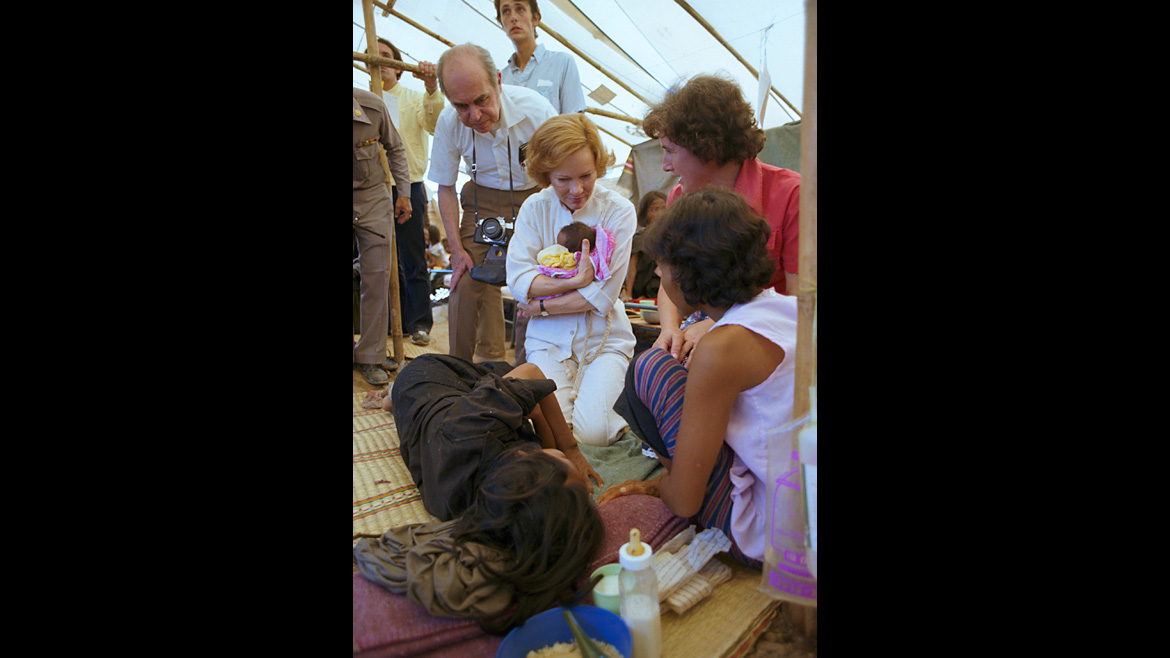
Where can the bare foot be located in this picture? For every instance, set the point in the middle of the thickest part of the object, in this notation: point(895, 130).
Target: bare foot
point(374, 398)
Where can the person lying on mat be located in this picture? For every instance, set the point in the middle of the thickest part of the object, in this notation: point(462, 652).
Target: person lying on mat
point(453, 416)
point(494, 460)
point(709, 422)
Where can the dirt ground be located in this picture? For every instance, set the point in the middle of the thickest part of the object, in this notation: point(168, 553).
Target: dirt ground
point(783, 639)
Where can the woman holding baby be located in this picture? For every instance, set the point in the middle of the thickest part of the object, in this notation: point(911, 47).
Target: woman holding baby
point(578, 333)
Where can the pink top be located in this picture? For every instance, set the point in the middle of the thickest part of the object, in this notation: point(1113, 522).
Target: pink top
point(774, 193)
point(757, 414)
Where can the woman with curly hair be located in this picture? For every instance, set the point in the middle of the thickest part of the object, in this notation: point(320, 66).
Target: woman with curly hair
point(709, 136)
point(709, 424)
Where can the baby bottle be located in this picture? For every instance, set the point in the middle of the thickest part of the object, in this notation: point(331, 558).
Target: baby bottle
point(639, 597)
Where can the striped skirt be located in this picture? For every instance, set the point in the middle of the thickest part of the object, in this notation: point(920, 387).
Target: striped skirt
point(652, 403)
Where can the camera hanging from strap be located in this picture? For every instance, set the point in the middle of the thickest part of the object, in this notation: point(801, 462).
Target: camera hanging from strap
point(474, 170)
point(492, 231)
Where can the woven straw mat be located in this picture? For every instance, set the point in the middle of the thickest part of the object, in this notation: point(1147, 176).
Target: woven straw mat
point(384, 495)
point(726, 624)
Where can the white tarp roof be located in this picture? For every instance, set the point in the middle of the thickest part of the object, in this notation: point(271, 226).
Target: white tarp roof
point(648, 44)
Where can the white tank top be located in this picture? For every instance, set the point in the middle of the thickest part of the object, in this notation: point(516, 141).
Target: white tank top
point(757, 413)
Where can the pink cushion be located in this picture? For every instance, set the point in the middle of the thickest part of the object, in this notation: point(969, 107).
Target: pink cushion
point(656, 524)
point(389, 625)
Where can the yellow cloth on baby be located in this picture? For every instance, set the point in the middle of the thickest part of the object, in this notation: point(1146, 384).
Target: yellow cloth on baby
point(556, 256)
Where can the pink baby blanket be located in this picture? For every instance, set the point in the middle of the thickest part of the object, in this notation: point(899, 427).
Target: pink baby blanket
point(599, 253)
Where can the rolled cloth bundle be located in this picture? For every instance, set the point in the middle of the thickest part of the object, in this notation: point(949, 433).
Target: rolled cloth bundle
point(423, 562)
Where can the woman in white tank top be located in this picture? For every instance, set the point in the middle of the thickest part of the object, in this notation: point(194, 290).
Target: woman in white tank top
point(709, 422)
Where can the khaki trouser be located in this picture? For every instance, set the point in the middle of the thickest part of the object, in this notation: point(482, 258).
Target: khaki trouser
point(475, 310)
point(374, 262)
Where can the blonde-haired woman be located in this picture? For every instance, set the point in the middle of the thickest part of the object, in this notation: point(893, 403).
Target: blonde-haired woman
point(582, 340)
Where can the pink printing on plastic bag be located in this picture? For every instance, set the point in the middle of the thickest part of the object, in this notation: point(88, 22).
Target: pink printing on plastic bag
point(786, 567)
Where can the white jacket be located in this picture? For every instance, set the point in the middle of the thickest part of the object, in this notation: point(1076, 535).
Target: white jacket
point(540, 219)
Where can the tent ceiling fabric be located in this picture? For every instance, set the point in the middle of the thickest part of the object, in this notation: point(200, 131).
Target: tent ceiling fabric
point(648, 44)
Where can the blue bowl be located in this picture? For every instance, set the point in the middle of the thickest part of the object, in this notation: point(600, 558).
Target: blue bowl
point(550, 627)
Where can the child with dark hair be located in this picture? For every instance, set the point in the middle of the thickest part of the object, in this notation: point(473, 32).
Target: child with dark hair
point(573, 235)
point(576, 242)
point(494, 460)
point(436, 253)
point(641, 281)
point(709, 422)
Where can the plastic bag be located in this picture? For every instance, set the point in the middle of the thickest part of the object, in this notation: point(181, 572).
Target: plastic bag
point(786, 572)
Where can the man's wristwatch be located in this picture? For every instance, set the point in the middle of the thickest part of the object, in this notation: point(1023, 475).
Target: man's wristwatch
point(543, 312)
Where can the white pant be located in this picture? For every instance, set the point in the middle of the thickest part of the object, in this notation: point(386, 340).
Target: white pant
point(588, 411)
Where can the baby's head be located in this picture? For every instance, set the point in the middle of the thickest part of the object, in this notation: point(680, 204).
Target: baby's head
point(570, 236)
point(433, 236)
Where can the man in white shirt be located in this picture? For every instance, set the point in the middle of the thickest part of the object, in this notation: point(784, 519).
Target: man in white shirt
point(486, 125)
point(550, 73)
point(415, 115)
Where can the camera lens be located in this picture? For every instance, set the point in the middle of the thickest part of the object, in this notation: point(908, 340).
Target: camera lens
point(492, 229)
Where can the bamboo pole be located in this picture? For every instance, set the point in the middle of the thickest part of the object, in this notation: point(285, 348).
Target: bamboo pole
point(807, 263)
point(552, 33)
point(615, 137)
point(372, 46)
point(376, 88)
point(613, 115)
point(702, 21)
point(805, 617)
point(378, 60)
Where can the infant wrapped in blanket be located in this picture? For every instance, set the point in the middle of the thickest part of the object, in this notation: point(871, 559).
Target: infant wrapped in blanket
point(560, 260)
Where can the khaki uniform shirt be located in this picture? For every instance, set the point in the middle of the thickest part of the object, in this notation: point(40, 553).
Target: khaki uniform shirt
point(372, 128)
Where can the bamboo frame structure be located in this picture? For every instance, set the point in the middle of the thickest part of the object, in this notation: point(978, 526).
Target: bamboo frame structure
point(376, 61)
point(552, 33)
point(407, 67)
point(702, 21)
point(395, 301)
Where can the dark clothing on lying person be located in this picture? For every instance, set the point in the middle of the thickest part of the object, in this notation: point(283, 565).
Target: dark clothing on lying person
point(454, 417)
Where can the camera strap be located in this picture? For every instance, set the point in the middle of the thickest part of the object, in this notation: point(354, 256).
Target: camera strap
point(474, 168)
